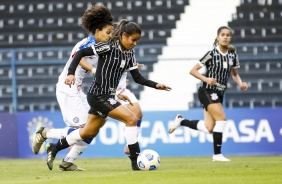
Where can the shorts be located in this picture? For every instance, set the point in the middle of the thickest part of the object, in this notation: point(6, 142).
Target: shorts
point(130, 95)
point(74, 108)
point(101, 104)
point(208, 96)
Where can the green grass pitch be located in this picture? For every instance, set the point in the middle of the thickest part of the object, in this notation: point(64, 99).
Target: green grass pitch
point(173, 170)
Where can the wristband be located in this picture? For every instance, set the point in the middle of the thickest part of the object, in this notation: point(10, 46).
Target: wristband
point(93, 70)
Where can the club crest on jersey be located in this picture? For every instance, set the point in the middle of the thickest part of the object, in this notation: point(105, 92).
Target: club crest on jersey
point(76, 120)
point(112, 101)
point(214, 96)
point(230, 61)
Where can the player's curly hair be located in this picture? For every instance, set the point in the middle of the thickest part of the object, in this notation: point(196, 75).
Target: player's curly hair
point(96, 17)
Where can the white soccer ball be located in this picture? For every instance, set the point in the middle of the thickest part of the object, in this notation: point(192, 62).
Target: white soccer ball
point(148, 160)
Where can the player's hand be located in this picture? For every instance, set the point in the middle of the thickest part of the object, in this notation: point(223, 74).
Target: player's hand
point(211, 81)
point(163, 87)
point(244, 86)
point(139, 66)
point(124, 98)
point(70, 80)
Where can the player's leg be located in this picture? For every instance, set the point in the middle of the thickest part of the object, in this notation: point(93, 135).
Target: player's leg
point(91, 129)
point(122, 114)
point(136, 109)
point(217, 112)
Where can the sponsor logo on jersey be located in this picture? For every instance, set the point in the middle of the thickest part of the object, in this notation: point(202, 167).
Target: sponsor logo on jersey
point(102, 48)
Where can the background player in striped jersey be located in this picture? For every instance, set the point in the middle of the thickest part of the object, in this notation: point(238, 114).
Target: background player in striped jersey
point(220, 63)
point(73, 103)
point(115, 57)
point(134, 107)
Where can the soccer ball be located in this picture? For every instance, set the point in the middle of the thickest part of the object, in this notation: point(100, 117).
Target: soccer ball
point(148, 160)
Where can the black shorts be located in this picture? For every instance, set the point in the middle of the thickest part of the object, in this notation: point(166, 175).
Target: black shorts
point(209, 96)
point(101, 104)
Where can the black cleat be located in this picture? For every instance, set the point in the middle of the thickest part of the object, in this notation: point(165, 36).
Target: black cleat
point(51, 153)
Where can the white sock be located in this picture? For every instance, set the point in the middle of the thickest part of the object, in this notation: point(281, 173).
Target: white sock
point(76, 150)
point(56, 133)
point(138, 131)
point(130, 135)
point(73, 137)
point(202, 127)
point(219, 126)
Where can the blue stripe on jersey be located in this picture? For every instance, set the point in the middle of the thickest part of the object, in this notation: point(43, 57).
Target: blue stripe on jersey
point(91, 41)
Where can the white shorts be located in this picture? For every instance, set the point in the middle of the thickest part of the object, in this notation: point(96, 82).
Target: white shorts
point(74, 108)
point(130, 95)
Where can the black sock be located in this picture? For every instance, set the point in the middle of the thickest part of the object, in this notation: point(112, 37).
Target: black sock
point(190, 123)
point(62, 144)
point(134, 150)
point(217, 142)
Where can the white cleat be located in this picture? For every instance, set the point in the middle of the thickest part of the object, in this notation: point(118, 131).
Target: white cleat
point(173, 126)
point(220, 158)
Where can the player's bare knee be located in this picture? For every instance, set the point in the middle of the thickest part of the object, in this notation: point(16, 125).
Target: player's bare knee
point(131, 121)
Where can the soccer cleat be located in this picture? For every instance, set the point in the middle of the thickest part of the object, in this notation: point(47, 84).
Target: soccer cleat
point(51, 153)
point(39, 138)
point(134, 164)
point(220, 158)
point(173, 126)
point(126, 150)
point(68, 166)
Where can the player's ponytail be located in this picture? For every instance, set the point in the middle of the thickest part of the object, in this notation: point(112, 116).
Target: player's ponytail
point(231, 48)
point(124, 26)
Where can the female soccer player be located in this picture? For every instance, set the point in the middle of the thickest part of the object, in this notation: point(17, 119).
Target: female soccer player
point(115, 57)
point(73, 103)
point(220, 63)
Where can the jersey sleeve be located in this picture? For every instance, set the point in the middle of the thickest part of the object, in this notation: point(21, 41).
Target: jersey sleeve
point(237, 63)
point(206, 59)
point(132, 62)
point(101, 48)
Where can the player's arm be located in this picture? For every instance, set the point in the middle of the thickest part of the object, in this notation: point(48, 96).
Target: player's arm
point(87, 66)
point(195, 72)
point(236, 77)
point(138, 78)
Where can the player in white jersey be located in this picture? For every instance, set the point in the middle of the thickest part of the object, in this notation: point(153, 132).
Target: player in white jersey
point(72, 101)
point(134, 107)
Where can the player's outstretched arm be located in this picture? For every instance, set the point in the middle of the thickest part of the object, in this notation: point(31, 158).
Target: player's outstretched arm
point(138, 78)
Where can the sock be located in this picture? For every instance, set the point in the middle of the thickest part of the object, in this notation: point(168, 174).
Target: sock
point(190, 123)
point(76, 150)
point(202, 127)
point(139, 126)
point(56, 133)
point(217, 141)
point(130, 135)
point(73, 137)
point(69, 140)
point(217, 136)
point(134, 151)
point(61, 144)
